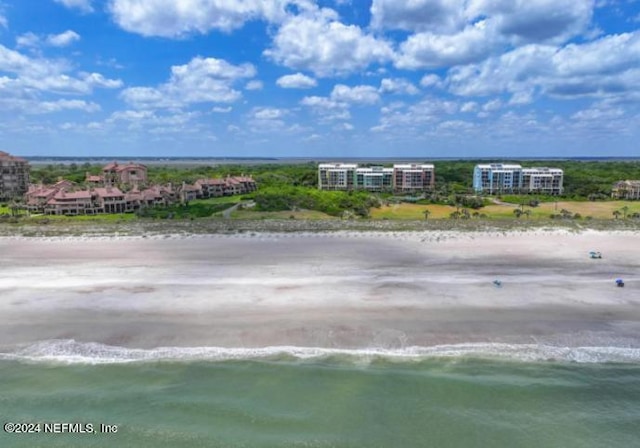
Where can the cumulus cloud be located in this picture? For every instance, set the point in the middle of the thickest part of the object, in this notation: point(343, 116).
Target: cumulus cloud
point(63, 39)
point(28, 40)
point(81, 5)
point(29, 75)
point(32, 40)
point(254, 84)
point(355, 95)
point(398, 86)
point(320, 43)
point(177, 18)
point(36, 107)
point(429, 50)
point(327, 108)
point(202, 80)
point(601, 68)
point(268, 113)
point(413, 119)
point(450, 33)
point(523, 20)
point(430, 80)
point(536, 20)
point(296, 81)
point(417, 15)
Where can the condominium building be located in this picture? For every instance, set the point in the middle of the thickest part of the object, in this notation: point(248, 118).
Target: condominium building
point(409, 178)
point(336, 176)
point(375, 178)
point(405, 178)
point(14, 176)
point(497, 178)
point(542, 180)
point(512, 178)
point(626, 189)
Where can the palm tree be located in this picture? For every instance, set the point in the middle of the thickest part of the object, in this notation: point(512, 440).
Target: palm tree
point(624, 211)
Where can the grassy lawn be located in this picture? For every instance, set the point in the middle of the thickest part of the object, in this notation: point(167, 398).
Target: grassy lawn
point(221, 200)
point(412, 211)
point(601, 210)
point(594, 209)
point(4, 210)
point(303, 214)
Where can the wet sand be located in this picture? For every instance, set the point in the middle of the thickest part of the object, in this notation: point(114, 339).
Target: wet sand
point(343, 290)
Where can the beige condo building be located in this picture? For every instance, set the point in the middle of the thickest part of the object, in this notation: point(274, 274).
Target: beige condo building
point(14, 176)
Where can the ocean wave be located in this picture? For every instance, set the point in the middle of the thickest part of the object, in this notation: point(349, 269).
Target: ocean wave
point(73, 352)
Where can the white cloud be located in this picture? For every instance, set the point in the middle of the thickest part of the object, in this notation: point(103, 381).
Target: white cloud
point(398, 86)
point(517, 20)
point(323, 45)
point(82, 5)
point(535, 20)
point(28, 40)
point(469, 106)
point(343, 127)
point(202, 80)
point(414, 119)
point(35, 107)
point(602, 68)
point(429, 50)
point(492, 105)
point(221, 110)
point(430, 80)
point(355, 95)
point(417, 15)
point(296, 81)
point(327, 108)
point(178, 18)
point(63, 39)
point(254, 84)
point(45, 75)
point(32, 40)
point(268, 113)
point(55, 106)
point(598, 112)
point(97, 80)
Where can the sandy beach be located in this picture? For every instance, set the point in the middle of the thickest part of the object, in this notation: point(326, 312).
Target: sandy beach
point(332, 290)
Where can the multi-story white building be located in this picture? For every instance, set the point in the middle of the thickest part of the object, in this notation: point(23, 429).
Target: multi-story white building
point(375, 178)
point(413, 177)
point(14, 176)
point(336, 176)
point(542, 180)
point(512, 178)
point(401, 178)
point(497, 178)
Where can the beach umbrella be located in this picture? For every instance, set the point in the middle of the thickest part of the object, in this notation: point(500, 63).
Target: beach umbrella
point(619, 280)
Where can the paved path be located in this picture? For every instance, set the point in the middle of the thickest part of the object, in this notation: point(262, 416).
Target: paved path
point(226, 214)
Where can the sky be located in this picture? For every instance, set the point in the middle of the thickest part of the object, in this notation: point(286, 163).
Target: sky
point(311, 78)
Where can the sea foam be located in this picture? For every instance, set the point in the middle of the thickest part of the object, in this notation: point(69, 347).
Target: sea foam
point(73, 352)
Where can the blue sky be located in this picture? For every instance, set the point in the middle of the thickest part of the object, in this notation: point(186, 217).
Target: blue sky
point(419, 78)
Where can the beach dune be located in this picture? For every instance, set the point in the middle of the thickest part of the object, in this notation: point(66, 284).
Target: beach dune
point(333, 290)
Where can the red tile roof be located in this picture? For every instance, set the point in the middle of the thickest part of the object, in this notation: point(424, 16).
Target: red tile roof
point(108, 192)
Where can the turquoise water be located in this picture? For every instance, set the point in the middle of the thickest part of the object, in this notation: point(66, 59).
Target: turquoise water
point(326, 401)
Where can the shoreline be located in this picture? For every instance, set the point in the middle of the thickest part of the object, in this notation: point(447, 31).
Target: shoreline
point(347, 290)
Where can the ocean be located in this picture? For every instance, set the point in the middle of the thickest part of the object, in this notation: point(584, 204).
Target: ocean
point(474, 395)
